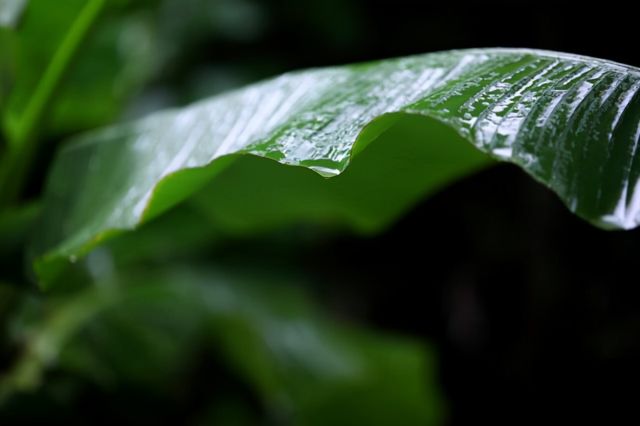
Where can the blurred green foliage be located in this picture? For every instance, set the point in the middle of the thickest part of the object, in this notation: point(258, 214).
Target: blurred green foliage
point(146, 331)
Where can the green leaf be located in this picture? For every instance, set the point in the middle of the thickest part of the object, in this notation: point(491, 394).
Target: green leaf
point(113, 64)
point(7, 70)
point(51, 60)
point(47, 41)
point(571, 122)
point(46, 44)
point(306, 368)
point(67, 56)
point(16, 226)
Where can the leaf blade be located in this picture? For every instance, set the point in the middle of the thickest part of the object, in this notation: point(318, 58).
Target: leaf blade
point(531, 108)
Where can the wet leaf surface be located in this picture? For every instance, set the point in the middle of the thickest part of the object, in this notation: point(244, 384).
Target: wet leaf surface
point(571, 122)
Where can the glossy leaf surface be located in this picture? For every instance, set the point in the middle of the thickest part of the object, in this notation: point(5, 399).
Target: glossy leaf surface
point(571, 122)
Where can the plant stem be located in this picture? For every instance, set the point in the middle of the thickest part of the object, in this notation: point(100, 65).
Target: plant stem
point(24, 140)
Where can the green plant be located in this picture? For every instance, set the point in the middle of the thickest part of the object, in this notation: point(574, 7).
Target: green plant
point(123, 230)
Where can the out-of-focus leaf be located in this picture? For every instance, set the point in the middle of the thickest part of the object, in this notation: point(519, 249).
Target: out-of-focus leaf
point(10, 12)
point(118, 58)
point(45, 47)
point(113, 62)
point(15, 225)
point(305, 368)
point(7, 68)
point(67, 57)
point(571, 122)
point(191, 21)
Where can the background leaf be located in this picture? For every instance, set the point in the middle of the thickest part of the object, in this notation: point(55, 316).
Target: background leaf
point(100, 70)
point(10, 13)
point(146, 329)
